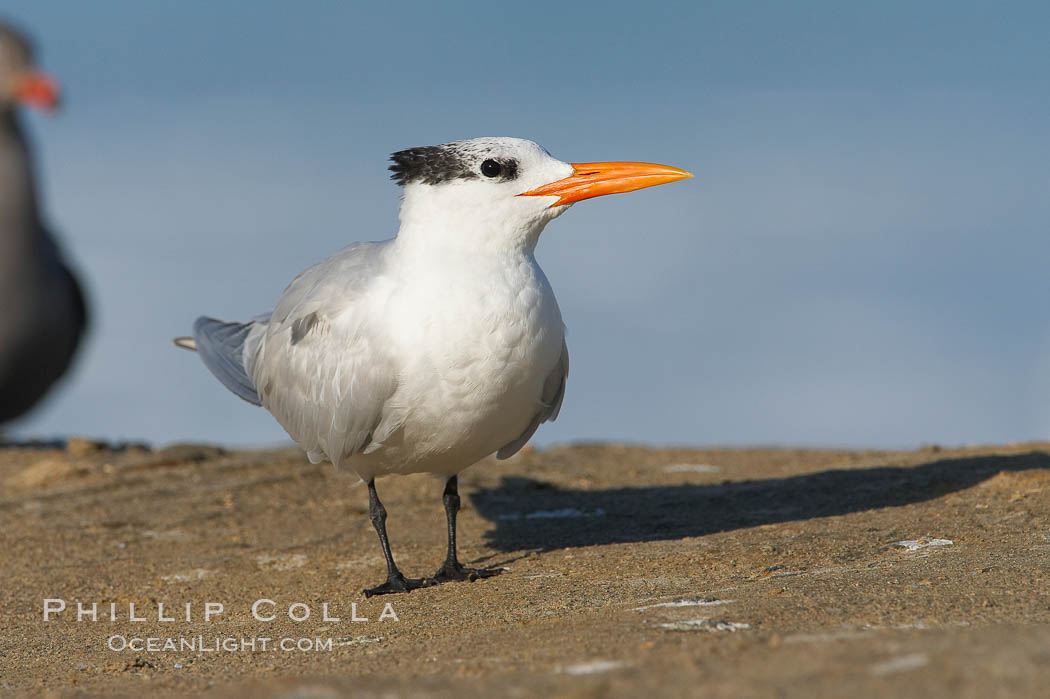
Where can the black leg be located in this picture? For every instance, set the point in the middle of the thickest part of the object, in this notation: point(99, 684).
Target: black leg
point(452, 569)
point(395, 581)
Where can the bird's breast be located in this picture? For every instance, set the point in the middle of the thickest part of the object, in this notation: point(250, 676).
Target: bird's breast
point(480, 343)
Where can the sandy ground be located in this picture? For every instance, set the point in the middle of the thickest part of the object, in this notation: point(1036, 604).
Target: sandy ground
point(763, 572)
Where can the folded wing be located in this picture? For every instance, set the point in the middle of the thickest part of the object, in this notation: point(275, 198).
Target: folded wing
point(553, 393)
point(322, 367)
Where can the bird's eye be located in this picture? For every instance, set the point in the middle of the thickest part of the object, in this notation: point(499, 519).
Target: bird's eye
point(490, 168)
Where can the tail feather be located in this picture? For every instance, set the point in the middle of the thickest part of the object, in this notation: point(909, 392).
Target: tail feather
point(221, 347)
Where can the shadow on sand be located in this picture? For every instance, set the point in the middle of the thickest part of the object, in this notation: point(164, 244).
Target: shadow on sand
point(531, 514)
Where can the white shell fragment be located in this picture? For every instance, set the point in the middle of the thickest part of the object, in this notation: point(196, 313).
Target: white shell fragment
point(709, 625)
point(695, 468)
point(917, 544)
point(592, 668)
point(186, 576)
point(901, 663)
point(687, 602)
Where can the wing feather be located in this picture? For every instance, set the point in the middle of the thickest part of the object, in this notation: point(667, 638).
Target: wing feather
point(553, 393)
point(322, 368)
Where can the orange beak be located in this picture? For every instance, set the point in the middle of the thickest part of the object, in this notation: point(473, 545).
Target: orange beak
point(597, 179)
point(37, 89)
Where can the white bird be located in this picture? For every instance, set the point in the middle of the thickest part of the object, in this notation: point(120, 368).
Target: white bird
point(432, 350)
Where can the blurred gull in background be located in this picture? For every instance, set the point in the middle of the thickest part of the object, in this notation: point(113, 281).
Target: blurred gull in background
point(42, 311)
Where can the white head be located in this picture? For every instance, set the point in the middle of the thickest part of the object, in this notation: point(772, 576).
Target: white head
point(499, 193)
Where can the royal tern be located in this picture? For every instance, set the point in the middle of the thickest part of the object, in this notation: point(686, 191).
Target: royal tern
point(42, 312)
point(434, 349)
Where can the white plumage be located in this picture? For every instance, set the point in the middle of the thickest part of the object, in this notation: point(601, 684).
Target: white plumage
point(401, 371)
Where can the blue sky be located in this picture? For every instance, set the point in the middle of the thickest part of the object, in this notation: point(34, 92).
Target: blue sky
point(860, 260)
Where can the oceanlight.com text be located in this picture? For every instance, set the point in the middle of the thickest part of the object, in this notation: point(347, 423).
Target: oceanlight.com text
point(217, 644)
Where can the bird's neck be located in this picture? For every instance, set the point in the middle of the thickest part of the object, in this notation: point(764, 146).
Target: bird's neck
point(19, 216)
point(436, 223)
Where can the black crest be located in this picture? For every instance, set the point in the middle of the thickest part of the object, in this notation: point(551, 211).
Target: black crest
point(432, 165)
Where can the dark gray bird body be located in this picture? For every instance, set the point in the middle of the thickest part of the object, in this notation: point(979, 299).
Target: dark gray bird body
point(42, 310)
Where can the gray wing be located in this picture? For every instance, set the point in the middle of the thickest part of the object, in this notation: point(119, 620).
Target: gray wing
point(320, 367)
point(553, 392)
